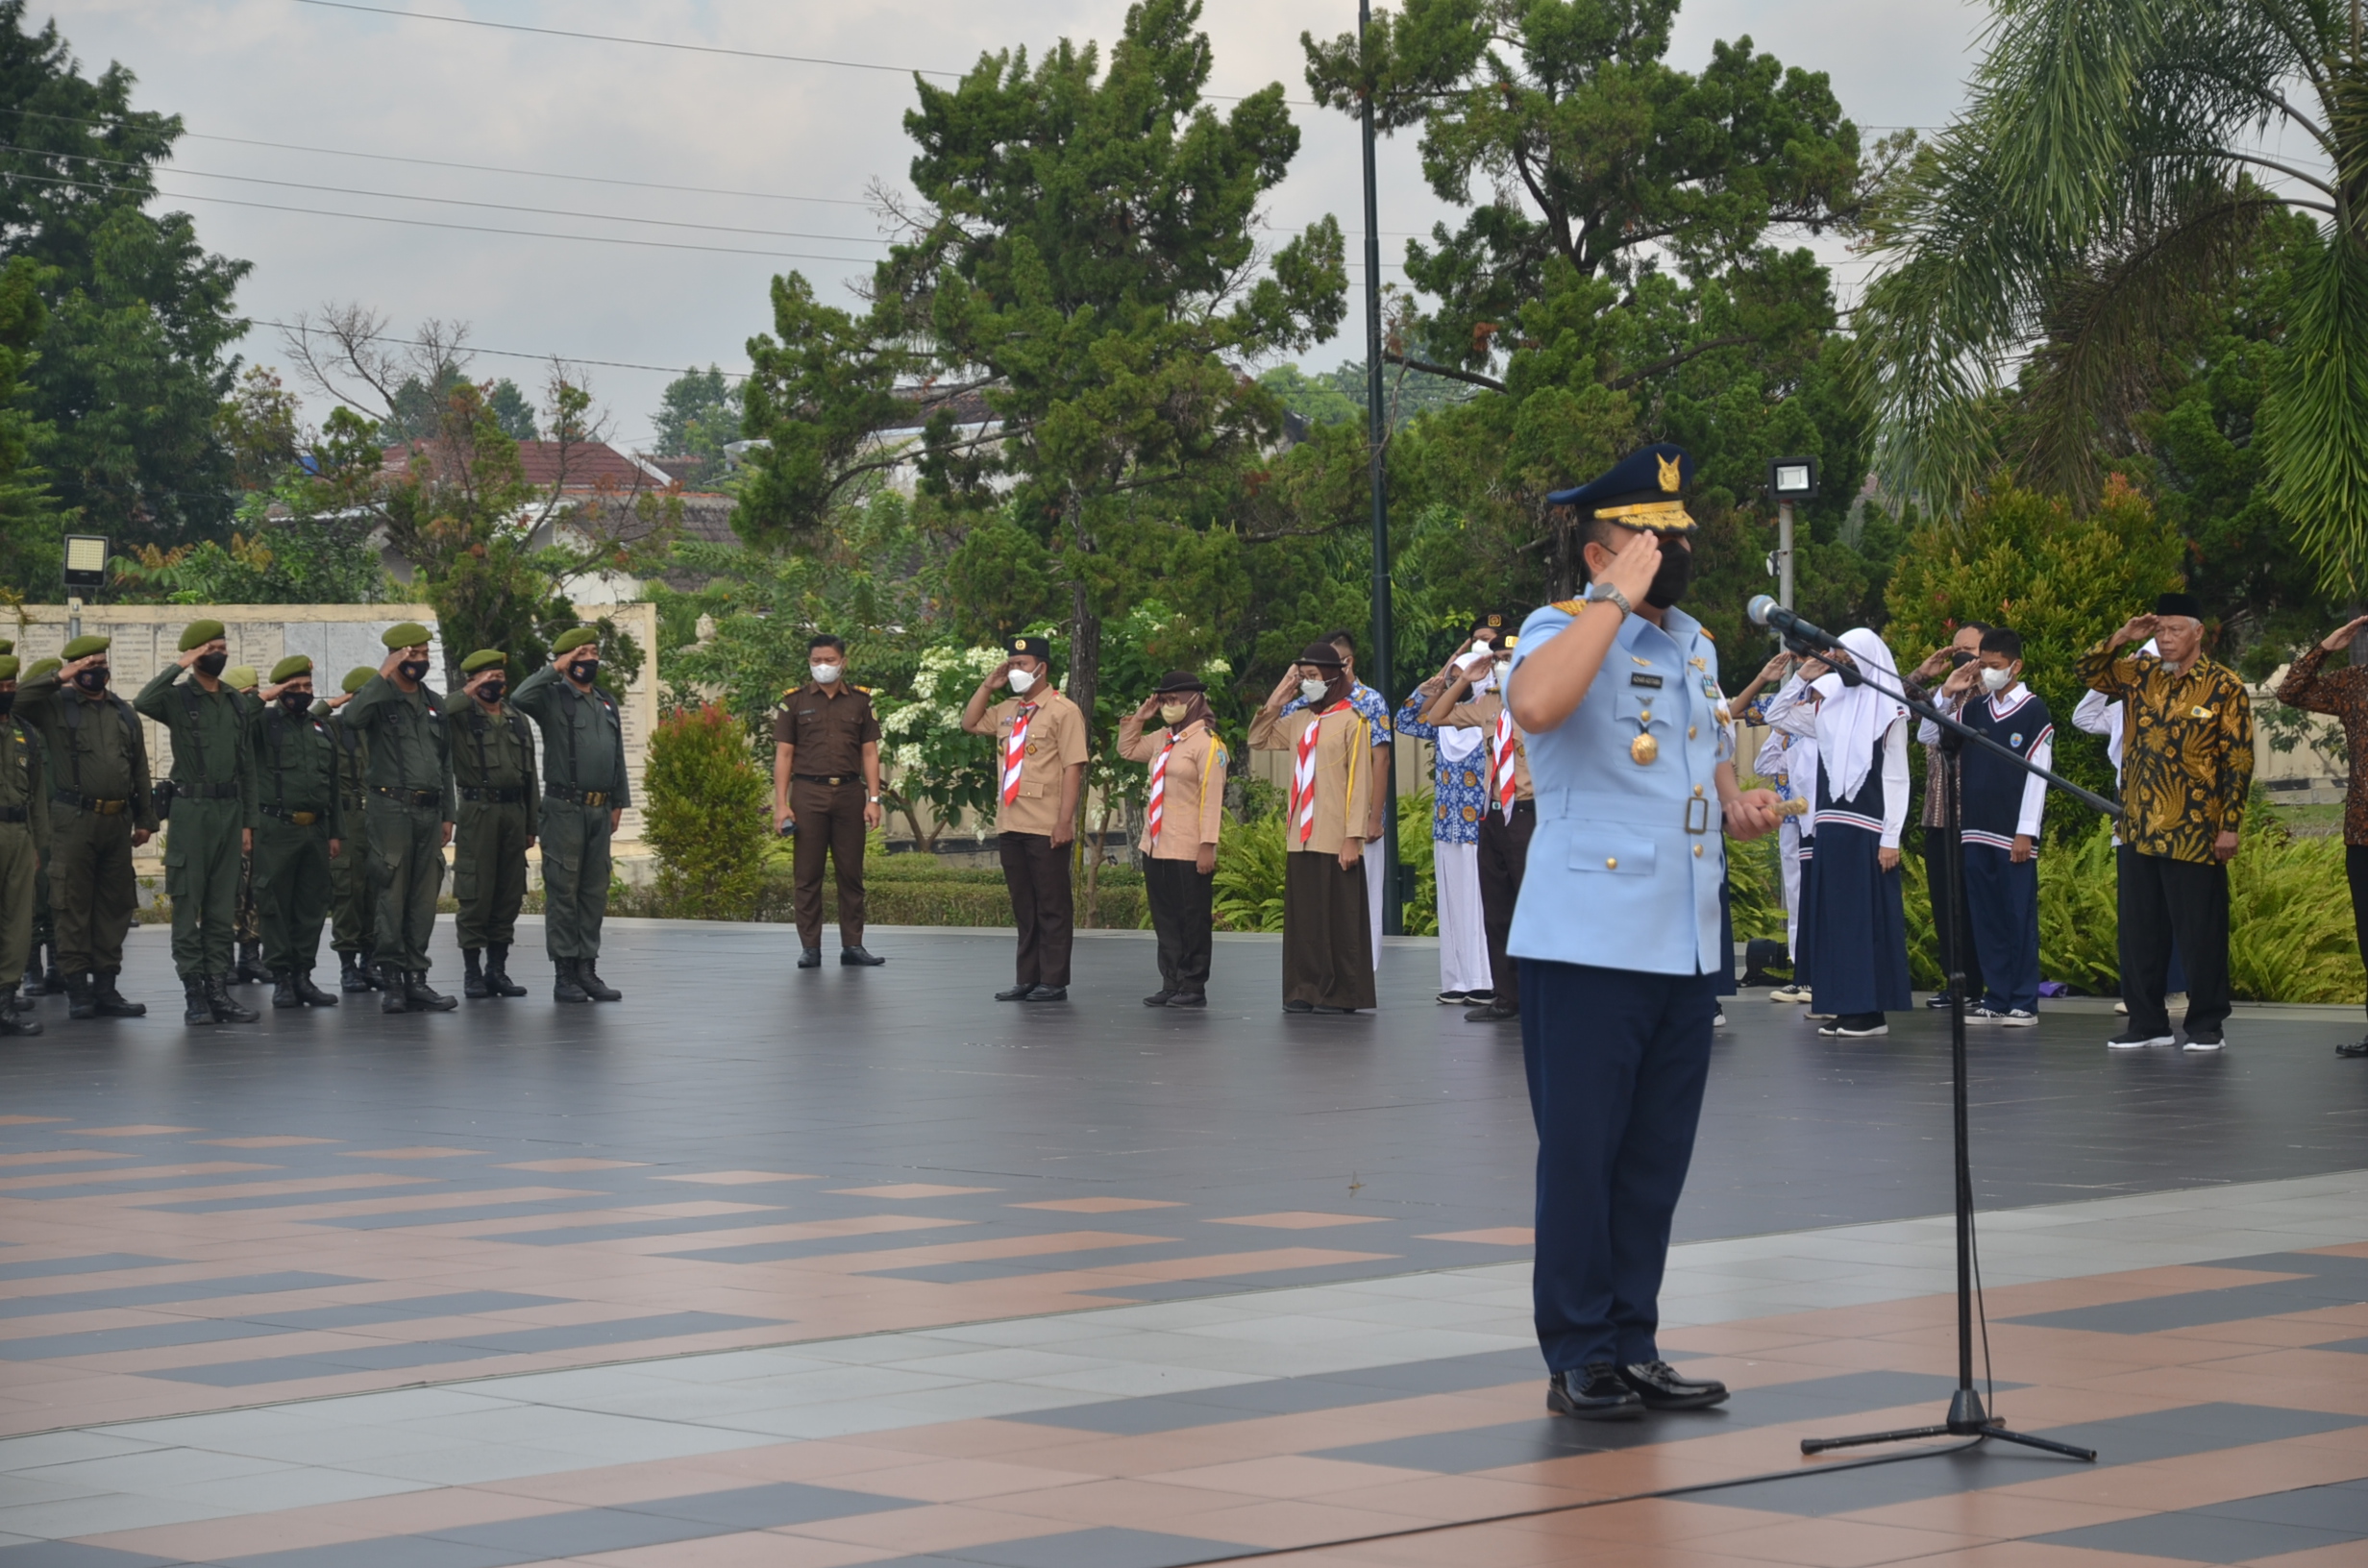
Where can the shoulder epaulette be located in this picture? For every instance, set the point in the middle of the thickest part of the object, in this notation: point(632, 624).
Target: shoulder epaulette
point(1571, 606)
point(1704, 632)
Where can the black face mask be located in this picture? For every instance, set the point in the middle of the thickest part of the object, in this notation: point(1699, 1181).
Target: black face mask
point(490, 693)
point(92, 680)
point(1670, 580)
point(296, 704)
point(213, 663)
point(8, 699)
point(413, 671)
point(582, 672)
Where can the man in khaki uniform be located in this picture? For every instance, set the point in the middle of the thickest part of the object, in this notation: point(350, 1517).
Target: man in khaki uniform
point(1183, 812)
point(102, 811)
point(825, 790)
point(24, 838)
point(1473, 698)
point(493, 767)
point(1327, 938)
point(1039, 742)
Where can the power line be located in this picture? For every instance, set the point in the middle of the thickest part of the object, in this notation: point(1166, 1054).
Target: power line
point(514, 354)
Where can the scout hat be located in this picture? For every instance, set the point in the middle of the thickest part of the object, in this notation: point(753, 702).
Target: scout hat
point(1642, 490)
point(1493, 623)
point(8, 666)
point(409, 634)
point(570, 641)
point(1037, 647)
point(198, 633)
point(1180, 680)
point(289, 668)
point(1323, 653)
point(2179, 603)
point(89, 643)
point(356, 678)
point(482, 658)
point(239, 678)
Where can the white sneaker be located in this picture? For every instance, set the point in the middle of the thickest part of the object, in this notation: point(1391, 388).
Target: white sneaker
point(1839, 1031)
point(2122, 1008)
point(2205, 1042)
point(1787, 993)
point(2018, 1018)
point(1720, 1020)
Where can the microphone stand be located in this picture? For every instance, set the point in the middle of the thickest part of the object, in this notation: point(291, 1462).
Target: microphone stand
point(1966, 1417)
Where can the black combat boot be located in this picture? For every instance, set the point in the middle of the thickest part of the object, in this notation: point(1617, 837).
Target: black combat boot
point(350, 975)
point(225, 1010)
point(381, 976)
point(594, 987)
point(420, 998)
point(309, 993)
point(197, 1007)
point(52, 981)
point(389, 981)
point(497, 972)
point(283, 991)
point(80, 1003)
point(250, 970)
point(566, 989)
point(33, 972)
point(13, 1020)
point(472, 984)
point(20, 1002)
point(110, 1001)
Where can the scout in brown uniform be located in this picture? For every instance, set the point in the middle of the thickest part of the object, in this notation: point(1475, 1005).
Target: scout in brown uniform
point(1508, 817)
point(1327, 942)
point(1039, 768)
point(1182, 812)
point(825, 790)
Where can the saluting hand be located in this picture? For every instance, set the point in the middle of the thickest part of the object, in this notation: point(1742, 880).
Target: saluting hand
point(2339, 638)
point(1634, 565)
point(2136, 629)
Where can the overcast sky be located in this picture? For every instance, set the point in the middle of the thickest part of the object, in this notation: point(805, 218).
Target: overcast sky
point(784, 151)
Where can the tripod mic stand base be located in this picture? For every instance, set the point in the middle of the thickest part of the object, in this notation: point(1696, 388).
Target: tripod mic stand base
point(1967, 1419)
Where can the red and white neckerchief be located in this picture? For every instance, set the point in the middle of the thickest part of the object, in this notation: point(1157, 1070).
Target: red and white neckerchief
point(1015, 752)
point(1304, 774)
point(1155, 812)
point(1502, 753)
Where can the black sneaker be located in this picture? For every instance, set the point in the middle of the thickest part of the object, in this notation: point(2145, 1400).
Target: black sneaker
point(2130, 1039)
point(1453, 999)
point(2203, 1039)
point(1593, 1393)
point(1659, 1385)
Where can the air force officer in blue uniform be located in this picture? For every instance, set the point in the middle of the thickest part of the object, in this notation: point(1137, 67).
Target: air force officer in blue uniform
point(1617, 928)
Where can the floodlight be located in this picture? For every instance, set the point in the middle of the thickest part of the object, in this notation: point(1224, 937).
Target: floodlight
point(1793, 479)
point(86, 560)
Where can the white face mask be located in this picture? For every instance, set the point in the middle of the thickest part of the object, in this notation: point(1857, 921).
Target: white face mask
point(1997, 681)
point(824, 673)
point(1313, 690)
point(1022, 681)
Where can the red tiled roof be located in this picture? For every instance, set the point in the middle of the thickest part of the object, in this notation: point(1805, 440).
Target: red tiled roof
point(578, 465)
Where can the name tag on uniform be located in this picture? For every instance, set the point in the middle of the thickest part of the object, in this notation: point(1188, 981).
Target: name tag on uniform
point(1649, 682)
point(2199, 713)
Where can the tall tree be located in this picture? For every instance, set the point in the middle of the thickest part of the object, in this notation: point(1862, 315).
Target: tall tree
point(698, 414)
point(2093, 203)
point(29, 544)
point(134, 361)
point(1089, 262)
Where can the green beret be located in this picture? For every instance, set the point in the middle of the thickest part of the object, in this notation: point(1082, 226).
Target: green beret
point(40, 668)
point(289, 668)
point(239, 678)
point(198, 633)
point(484, 658)
point(5, 645)
point(82, 646)
point(410, 635)
point(356, 678)
point(8, 666)
point(570, 641)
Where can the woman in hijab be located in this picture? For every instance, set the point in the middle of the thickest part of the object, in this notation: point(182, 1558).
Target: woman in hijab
point(1327, 946)
point(1182, 812)
point(1853, 922)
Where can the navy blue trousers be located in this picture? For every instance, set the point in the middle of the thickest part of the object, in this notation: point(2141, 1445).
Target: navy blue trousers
point(1855, 928)
point(1616, 1063)
point(2003, 901)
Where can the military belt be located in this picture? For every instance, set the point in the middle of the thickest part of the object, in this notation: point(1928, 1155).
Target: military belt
point(409, 798)
point(302, 819)
point(13, 813)
point(494, 794)
point(206, 792)
point(92, 803)
point(833, 779)
point(579, 798)
point(1697, 815)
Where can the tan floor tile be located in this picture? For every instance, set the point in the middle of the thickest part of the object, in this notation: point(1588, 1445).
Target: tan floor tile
point(908, 1189)
point(932, 1528)
point(1500, 1236)
point(1097, 1206)
point(1298, 1219)
point(755, 1549)
point(2045, 1555)
point(1832, 1543)
point(958, 1481)
point(330, 1523)
point(987, 1438)
point(143, 1130)
point(1651, 1522)
point(2342, 1554)
point(562, 1168)
point(283, 1140)
point(1287, 1523)
point(1125, 1503)
point(1290, 1476)
point(738, 1178)
point(1454, 1497)
point(421, 1151)
point(1994, 1515)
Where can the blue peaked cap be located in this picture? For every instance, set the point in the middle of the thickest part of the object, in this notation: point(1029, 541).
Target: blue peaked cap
point(1659, 472)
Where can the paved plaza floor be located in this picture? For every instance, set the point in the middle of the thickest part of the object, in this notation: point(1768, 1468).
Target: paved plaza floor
point(861, 1267)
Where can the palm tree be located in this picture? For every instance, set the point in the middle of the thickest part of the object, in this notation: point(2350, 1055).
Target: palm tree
point(2113, 170)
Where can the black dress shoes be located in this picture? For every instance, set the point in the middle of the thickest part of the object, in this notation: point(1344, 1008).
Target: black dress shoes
point(810, 959)
point(860, 957)
point(1595, 1392)
point(1049, 993)
point(1494, 1013)
point(1158, 998)
point(1019, 992)
point(1292, 1004)
point(2353, 1047)
point(1658, 1384)
point(1189, 999)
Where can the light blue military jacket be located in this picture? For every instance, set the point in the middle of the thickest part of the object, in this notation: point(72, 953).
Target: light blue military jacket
point(1625, 866)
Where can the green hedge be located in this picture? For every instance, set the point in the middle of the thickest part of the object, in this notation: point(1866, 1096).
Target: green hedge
point(918, 889)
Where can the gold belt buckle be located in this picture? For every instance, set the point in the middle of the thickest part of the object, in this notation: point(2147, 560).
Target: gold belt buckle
point(596, 797)
point(109, 808)
point(304, 818)
point(1704, 826)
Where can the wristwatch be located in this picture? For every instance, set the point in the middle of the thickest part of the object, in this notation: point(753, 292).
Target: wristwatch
point(1603, 593)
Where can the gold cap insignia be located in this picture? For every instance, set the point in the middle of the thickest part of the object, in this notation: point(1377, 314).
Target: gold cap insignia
point(1670, 481)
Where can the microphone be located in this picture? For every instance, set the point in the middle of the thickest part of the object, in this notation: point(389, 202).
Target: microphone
point(1764, 611)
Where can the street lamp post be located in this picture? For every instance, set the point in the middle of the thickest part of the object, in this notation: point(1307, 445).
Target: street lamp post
point(1377, 432)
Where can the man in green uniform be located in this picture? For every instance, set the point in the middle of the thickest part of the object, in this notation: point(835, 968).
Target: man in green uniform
point(249, 970)
point(42, 979)
point(493, 766)
point(584, 793)
point(24, 838)
point(208, 816)
point(101, 810)
point(296, 825)
point(352, 897)
point(407, 814)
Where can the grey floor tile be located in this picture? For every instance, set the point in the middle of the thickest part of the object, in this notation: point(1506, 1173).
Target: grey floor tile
point(2197, 1537)
point(1105, 1547)
point(45, 1269)
point(457, 1303)
point(70, 1555)
point(162, 1295)
point(2340, 1508)
point(580, 1532)
point(770, 1506)
point(186, 1330)
point(386, 1552)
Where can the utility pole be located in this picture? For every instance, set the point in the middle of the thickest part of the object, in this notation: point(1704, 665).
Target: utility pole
point(1783, 553)
point(1384, 675)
